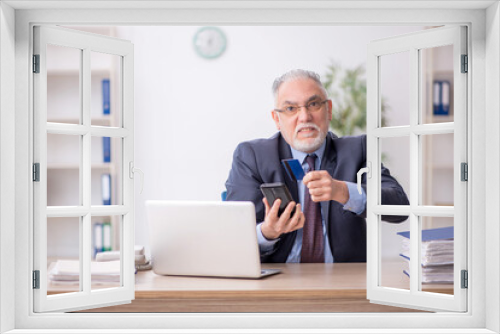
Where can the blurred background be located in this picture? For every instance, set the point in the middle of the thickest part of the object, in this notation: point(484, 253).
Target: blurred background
point(193, 108)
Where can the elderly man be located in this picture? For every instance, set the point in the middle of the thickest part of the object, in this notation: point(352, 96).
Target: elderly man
point(328, 224)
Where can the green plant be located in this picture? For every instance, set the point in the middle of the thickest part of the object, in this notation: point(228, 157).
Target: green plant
point(347, 90)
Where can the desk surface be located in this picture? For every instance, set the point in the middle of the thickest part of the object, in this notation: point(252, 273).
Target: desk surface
point(339, 287)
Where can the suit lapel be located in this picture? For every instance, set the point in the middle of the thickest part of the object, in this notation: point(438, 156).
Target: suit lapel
point(286, 153)
point(287, 239)
point(328, 163)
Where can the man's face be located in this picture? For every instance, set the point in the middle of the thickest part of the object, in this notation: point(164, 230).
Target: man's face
point(305, 130)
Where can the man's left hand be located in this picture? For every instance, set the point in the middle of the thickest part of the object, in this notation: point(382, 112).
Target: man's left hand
point(323, 187)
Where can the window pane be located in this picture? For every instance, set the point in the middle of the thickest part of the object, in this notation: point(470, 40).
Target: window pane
point(437, 169)
point(395, 156)
point(106, 92)
point(63, 84)
point(437, 254)
point(394, 251)
point(63, 255)
point(107, 171)
point(106, 252)
point(436, 81)
point(63, 170)
point(395, 82)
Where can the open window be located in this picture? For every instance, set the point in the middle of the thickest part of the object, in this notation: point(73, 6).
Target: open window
point(18, 17)
point(83, 150)
point(427, 124)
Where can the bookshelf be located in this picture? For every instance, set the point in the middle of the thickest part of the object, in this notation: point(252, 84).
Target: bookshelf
point(63, 151)
point(437, 150)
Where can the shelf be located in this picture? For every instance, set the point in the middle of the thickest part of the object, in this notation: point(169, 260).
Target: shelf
point(73, 71)
point(440, 119)
point(55, 166)
point(52, 259)
point(444, 204)
point(440, 167)
point(100, 121)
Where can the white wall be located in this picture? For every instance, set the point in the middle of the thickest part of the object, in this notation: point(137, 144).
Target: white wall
point(190, 113)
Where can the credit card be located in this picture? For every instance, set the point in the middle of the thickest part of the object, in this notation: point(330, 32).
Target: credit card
point(293, 168)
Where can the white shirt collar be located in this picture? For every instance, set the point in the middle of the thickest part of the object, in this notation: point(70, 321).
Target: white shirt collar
point(301, 156)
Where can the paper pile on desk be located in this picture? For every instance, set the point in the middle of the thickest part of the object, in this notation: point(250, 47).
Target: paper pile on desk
point(433, 274)
point(141, 262)
point(437, 254)
point(67, 271)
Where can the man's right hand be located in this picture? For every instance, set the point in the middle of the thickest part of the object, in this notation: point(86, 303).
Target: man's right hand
point(274, 226)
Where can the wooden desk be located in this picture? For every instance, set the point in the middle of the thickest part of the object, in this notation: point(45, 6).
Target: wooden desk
point(339, 287)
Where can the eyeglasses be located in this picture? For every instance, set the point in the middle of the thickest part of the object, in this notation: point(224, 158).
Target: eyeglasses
point(311, 106)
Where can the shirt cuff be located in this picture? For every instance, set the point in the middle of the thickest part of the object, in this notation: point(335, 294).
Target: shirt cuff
point(265, 245)
point(356, 202)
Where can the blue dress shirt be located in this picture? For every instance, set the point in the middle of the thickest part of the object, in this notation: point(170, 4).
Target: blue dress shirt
point(356, 204)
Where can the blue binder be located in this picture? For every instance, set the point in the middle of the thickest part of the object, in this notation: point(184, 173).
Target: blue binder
point(106, 149)
point(432, 234)
point(441, 97)
point(106, 189)
point(98, 245)
point(106, 103)
point(106, 237)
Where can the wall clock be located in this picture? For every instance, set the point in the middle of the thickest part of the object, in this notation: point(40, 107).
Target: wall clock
point(209, 42)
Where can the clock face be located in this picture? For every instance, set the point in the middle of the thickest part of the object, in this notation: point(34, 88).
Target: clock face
point(209, 42)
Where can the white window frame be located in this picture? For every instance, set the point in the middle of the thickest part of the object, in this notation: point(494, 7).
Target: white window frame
point(86, 43)
point(483, 104)
point(413, 43)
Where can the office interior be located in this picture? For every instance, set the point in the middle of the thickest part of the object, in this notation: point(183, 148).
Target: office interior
point(192, 111)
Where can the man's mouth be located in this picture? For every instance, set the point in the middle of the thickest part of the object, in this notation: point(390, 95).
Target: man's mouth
point(307, 132)
point(307, 129)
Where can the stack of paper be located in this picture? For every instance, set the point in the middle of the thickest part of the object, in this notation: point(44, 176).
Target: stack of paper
point(68, 272)
point(141, 262)
point(436, 254)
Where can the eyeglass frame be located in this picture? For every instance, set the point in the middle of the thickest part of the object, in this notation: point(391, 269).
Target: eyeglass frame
point(281, 111)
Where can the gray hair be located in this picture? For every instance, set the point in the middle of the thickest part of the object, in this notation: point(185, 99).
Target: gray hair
point(294, 75)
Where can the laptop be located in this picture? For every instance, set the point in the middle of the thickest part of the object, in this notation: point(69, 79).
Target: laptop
point(194, 238)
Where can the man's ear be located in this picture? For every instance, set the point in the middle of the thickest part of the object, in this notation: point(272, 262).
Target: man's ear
point(276, 119)
point(330, 109)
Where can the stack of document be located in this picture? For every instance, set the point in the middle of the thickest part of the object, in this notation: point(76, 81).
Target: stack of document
point(68, 272)
point(436, 254)
point(141, 262)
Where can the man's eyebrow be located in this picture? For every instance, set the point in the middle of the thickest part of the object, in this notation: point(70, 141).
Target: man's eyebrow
point(312, 98)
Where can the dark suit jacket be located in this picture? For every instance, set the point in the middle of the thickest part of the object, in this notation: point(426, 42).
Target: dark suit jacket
point(259, 161)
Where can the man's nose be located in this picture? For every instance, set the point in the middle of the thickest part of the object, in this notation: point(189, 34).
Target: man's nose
point(304, 115)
